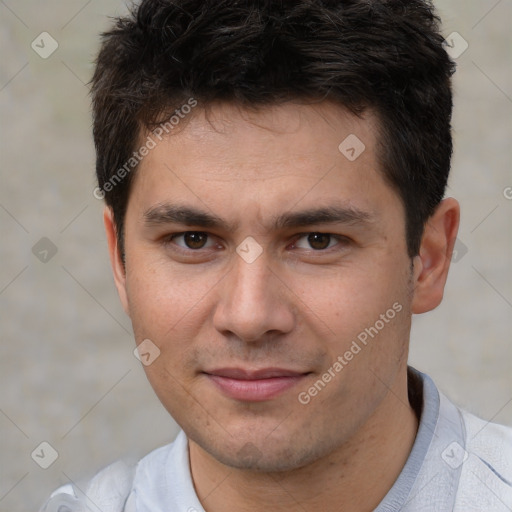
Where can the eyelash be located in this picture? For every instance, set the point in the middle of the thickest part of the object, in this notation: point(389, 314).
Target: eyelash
point(343, 240)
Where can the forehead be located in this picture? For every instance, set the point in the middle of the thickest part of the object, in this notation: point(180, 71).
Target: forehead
point(234, 159)
point(277, 133)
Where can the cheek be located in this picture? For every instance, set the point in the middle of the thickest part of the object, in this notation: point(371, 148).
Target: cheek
point(166, 308)
point(165, 304)
point(350, 297)
point(366, 311)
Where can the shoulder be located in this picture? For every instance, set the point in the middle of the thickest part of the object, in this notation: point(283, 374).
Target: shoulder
point(491, 441)
point(110, 489)
point(486, 473)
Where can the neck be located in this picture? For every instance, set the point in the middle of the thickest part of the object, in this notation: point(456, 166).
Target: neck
point(355, 476)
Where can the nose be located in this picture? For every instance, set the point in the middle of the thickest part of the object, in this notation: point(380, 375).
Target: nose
point(253, 303)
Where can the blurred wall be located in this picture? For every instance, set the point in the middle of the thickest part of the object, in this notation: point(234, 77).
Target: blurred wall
point(68, 372)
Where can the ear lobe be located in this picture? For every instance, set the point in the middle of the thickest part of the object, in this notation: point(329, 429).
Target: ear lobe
point(118, 269)
point(433, 262)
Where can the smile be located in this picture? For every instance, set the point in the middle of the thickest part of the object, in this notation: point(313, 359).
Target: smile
point(255, 386)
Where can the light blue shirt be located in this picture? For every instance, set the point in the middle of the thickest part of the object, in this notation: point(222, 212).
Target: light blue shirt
point(458, 463)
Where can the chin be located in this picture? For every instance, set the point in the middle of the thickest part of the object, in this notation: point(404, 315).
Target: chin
point(264, 455)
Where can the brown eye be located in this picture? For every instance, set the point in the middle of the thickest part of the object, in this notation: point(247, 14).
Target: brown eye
point(319, 241)
point(191, 246)
point(195, 239)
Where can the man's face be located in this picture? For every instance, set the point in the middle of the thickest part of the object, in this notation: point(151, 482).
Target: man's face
point(257, 254)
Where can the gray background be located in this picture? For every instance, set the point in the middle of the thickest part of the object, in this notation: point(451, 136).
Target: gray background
point(69, 376)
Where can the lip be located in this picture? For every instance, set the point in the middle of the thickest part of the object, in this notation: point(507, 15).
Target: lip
point(254, 385)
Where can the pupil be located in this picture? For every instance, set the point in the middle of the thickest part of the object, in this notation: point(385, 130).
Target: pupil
point(319, 240)
point(195, 240)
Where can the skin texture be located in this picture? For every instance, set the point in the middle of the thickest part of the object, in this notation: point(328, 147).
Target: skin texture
point(298, 306)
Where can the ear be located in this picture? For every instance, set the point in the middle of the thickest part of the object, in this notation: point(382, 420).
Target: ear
point(115, 257)
point(433, 261)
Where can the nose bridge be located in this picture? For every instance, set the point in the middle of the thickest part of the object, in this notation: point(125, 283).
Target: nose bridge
point(250, 303)
point(249, 285)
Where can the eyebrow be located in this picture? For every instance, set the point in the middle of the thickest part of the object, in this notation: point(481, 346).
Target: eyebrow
point(189, 216)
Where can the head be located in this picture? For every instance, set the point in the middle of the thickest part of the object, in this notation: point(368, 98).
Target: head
point(274, 174)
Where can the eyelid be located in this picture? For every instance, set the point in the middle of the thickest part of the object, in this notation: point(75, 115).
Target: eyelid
point(169, 239)
point(341, 239)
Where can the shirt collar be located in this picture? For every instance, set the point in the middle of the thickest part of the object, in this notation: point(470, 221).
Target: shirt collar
point(429, 479)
